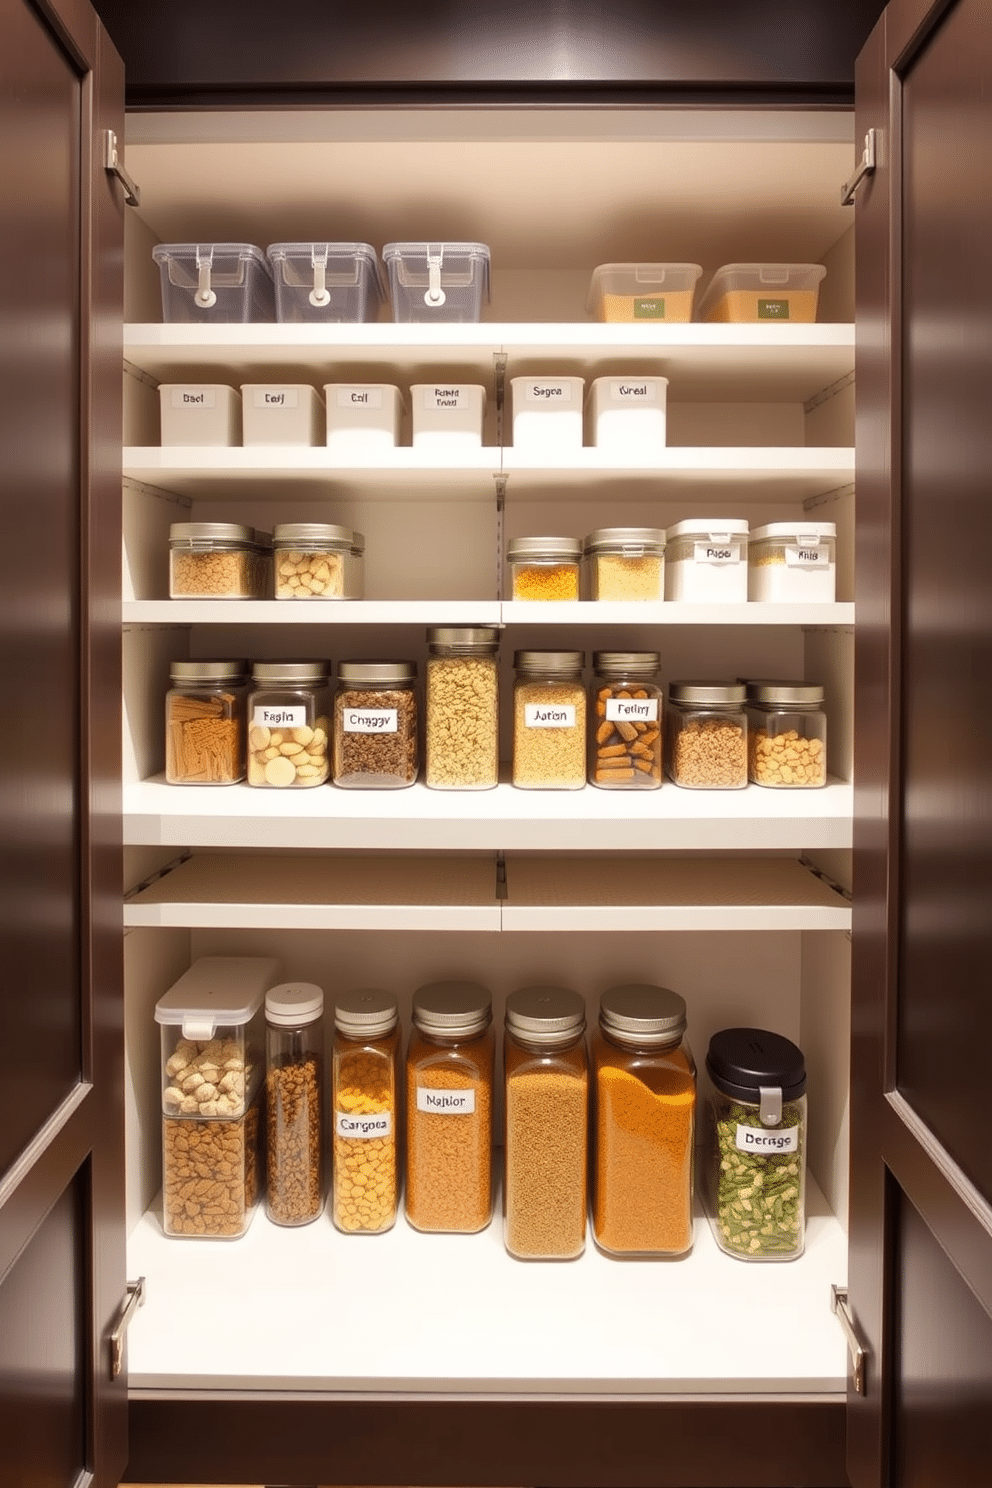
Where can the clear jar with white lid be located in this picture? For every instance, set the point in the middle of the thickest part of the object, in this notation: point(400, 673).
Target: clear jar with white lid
point(462, 708)
point(706, 561)
point(549, 721)
point(625, 721)
point(375, 725)
point(294, 1102)
point(793, 562)
point(786, 736)
point(625, 563)
point(544, 568)
point(215, 560)
point(289, 724)
point(205, 722)
point(318, 560)
point(706, 735)
point(364, 1097)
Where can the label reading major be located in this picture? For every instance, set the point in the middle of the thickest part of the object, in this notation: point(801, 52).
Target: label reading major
point(446, 1102)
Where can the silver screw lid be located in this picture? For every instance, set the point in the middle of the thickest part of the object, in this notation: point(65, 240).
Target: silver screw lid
point(366, 1012)
point(455, 1009)
point(626, 661)
point(463, 635)
point(208, 671)
point(707, 692)
point(784, 693)
point(549, 661)
point(560, 549)
point(638, 1013)
point(298, 534)
point(272, 673)
point(620, 539)
point(362, 673)
point(235, 532)
point(545, 1015)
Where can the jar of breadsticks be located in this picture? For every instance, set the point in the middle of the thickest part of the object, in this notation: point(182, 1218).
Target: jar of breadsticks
point(625, 743)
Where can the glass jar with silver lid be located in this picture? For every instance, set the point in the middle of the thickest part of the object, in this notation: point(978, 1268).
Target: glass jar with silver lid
point(544, 567)
point(215, 560)
point(706, 735)
point(549, 721)
point(375, 725)
point(625, 721)
point(289, 724)
point(625, 563)
point(787, 735)
point(364, 1095)
point(462, 708)
point(317, 560)
point(205, 722)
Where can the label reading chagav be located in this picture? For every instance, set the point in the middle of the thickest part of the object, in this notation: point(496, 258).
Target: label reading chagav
point(364, 1127)
point(446, 1102)
point(767, 1139)
point(549, 715)
point(369, 720)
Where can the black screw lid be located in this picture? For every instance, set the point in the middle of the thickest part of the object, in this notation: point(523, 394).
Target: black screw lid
point(742, 1060)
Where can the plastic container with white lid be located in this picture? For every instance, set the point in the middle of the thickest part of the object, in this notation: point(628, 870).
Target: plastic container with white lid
point(763, 292)
point(544, 568)
point(643, 291)
point(706, 561)
point(547, 413)
point(363, 415)
point(199, 413)
point(326, 282)
point(792, 562)
point(447, 416)
point(628, 413)
point(437, 281)
point(220, 283)
point(280, 413)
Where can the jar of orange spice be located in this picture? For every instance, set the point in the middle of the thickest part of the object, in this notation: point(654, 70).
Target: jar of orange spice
point(645, 1103)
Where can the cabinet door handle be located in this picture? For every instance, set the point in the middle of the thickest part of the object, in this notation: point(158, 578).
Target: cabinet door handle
point(114, 166)
point(134, 1297)
point(869, 160)
point(859, 1354)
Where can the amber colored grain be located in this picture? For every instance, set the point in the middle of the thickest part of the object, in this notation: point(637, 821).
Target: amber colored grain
point(449, 1156)
point(547, 1116)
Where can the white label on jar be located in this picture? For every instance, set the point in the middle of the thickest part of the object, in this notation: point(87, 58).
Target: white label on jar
point(284, 398)
point(631, 710)
point(633, 392)
point(364, 1127)
point(359, 397)
point(279, 717)
point(446, 1102)
point(194, 398)
point(723, 553)
point(445, 397)
point(370, 720)
point(767, 1139)
point(549, 715)
point(549, 392)
point(807, 557)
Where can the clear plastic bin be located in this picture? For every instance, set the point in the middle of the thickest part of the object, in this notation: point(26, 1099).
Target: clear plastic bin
point(758, 292)
point(326, 281)
point(643, 291)
point(281, 413)
point(437, 281)
point(214, 283)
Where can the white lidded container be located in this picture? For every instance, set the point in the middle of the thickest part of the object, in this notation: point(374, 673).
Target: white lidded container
point(200, 413)
point(547, 413)
point(444, 282)
point(326, 282)
point(281, 413)
point(706, 560)
point(363, 415)
point(627, 413)
point(447, 416)
point(214, 283)
point(790, 562)
point(763, 292)
point(643, 291)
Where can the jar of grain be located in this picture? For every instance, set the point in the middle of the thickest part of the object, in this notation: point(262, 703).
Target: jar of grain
point(375, 725)
point(462, 708)
point(449, 1085)
point(317, 560)
point(215, 560)
point(294, 1102)
point(547, 1124)
point(549, 721)
point(365, 1088)
point(625, 563)
point(544, 567)
point(288, 724)
point(755, 1150)
point(625, 717)
point(706, 735)
point(786, 736)
point(205, 722)
point(645, 1101)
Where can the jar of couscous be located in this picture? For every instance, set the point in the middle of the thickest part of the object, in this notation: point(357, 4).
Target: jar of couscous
point(544, 567)
point(549, 721)
point(364, 1095)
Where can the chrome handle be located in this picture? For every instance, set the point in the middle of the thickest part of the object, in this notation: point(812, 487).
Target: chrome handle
point(869, 160)
point(113, 164)
point(134, 1297)
point(840, 1306)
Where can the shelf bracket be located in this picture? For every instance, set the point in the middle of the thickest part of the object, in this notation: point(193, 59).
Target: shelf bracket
point(841, 1308)
point(114, 166)
point(500, 876)
point(134, 1297)
point(825, 878)
point(868, 162)
point(159, 873)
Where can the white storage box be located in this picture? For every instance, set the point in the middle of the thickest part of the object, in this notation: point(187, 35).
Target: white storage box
point(323, 282)
point(200, 413)
point(547, 413)
point(643, 291)
point(363, 415)
point(281, 413)
point(214, 283)
point(706, 561)
point(758, 292)
point(447, 416)
point(793, 561)
point(628, 412)
point(437, 281)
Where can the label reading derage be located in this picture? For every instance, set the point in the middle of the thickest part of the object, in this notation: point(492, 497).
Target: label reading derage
point(194, 398)
point(445, 397)
point(446, 1102)
point(364, 1127)
point(549, 392)
point(650, 307)
point(767, 1139)
point(359, 397)
point(817, 557)
point(708, 552)
point(549, 715)
point(263, 717)
point(631, 710)
point(773, 309)
point(370, 720)
point(281, 398)
point(632, 392)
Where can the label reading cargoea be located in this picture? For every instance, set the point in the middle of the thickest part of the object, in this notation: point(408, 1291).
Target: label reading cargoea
point(631, 710)
point(710, 552)
point(264, 717)
point(549, 715)
point(364, 1127)
point(767, 1139)
point(446, 1102)
point(370, 720)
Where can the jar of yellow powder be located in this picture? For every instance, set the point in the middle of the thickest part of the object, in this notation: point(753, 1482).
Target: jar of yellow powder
point(364, 1081)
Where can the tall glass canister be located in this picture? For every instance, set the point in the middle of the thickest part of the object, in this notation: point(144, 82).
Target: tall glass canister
point(365, 1097)
point(205, 722)
point(462, 708)
point(294, 1102)
point(549, 721)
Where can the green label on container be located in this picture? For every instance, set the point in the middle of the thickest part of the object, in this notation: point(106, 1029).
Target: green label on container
point(650, 309)
point(773, 309)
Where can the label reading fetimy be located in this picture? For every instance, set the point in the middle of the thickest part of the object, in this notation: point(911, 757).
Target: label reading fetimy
point(633, 392)
point(710, 552)
point(549, 715)
point(446, 1102)
point(263, 717)
point(652, 307)
point(549, 392)
point(768, 1139)
point(631, 710)
point(817, 557)
point(369, 720)
point(363, 1127)
point(359, 397)
point(773, 309)
point(281, 398)
point(445, 397)
point(194, 398)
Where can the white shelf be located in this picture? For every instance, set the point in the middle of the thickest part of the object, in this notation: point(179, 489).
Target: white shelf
point(309, 1309)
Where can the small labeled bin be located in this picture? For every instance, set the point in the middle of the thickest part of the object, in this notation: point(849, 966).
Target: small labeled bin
point(544, 567)
point(323, 282)
point(199, 413)
point(625, 563)
point(763, 292)
point(318, 560)
point(443, 282)
point(205, 710)
point(447, 416)
point(706, 561)
point(786, 735)
point(547, 413)
point(281, 413)
point(216, 560)
point(214, 283)
point(793, 563)
point(706, 735)
point(643, 291)
point(363, 415)
point(212, 1024)
point(294, 1103)
point(628, 413)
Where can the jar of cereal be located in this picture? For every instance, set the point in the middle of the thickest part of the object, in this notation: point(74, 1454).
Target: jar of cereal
point(706, 735)
point(786, 735)
point(294, 1102)
point(462, 708)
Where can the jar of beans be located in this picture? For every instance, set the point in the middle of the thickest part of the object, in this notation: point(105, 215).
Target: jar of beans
point(544, 567)
point(547, 1124)
point(294, 1103)
point(462, 708)
point(786, 735)
point(375, 725)
point(317, 560)
point(449, 1089)
point(205, 723)
point(288, 724)
point(645, 1102)
point(215, 560)
point(365, 1087)
point(625, 739)
point(706, 735)
point(549, 721)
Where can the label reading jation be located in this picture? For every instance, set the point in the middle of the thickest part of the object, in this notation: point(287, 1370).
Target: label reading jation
point(549, 715)
point(446, 1102)
point(767, 1139)
point(370, 720)
point(631, 710)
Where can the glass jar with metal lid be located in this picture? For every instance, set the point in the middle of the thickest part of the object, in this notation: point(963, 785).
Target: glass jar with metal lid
point(462, 708)
point(365, 1089)
point(449, 1088)
point(289, 724)
point(215, 560)
point(549, 721)
point(205, 722)
point(625, 721)
point(755, 1146)
point(645, 1104)
point(294, 1102)
point(544, 567)
point(786, 736)
point(375, 725)
point(317, 560)
point(625, 563)
point(706, 735)
point(547, 1124)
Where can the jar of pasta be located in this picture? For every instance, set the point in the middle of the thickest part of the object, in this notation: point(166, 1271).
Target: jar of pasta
point(462, 708)
point(786, 735)
point(549, 721)
point(364, 1091)
point(288, 724)
point(645, 1102)
point(205, 723)
point(544, 567)
point(625, 742)
point(706, 735)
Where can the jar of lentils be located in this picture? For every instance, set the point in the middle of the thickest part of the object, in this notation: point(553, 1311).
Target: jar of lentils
point(706, 735)
point(289, 724)
point(462, 708)
point(625, 738)
point(205, 723)
point(365, 1087)
point(549, 721)
point(786, 735)
point(375, 725)
point(294, 1102)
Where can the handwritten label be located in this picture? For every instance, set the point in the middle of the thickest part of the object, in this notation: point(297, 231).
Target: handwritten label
point(370, 720)
point(768, 1139)
point(264, 717)
point(549, 715)
point(445, 397)
point(549, 392)
point(446, 1102)
point(631, 710)
point(817, 557)
point(724, 553)
point(633, 392)
point(359, 397)
point(194, 398)
point(364, 1127)
point(284, 398)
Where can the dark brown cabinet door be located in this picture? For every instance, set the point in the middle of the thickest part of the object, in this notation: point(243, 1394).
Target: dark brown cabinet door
point(62, 1421)
point(921, 1233)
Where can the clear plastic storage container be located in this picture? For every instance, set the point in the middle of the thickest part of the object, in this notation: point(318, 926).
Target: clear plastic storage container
point(628, 414)
point(547, 413)
point(205, 722)
point(706, 561)
point(793, 563)
point(447, 416)
point(549, 721)
point(319, 282)
point(216, 560)
point(363, 415)
point(199, 414)
point(318, 560)
point(437, 281)
point(214, 283)
point(643, 291)
point(759, 292)
point(365, 1094)
point(289, 724)
point(462, 708)
point(706, 735)
point(786, 735)
point(281, 413)
point(625, 563)
point(625, 721)
point(544, 567)
point(294, 1103)
point(375, 725)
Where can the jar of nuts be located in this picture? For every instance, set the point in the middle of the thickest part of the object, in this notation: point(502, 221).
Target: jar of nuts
point(625, 743)
point(215, 560)
point(787, 735)
point(316, 560)
point(294, 1102)
point(544, 567)
point(706, 735)
point(549, 721)
point(205, 723)
point(462, 708)
point(365, 1088)
point(289, 724)
point(375, 725)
